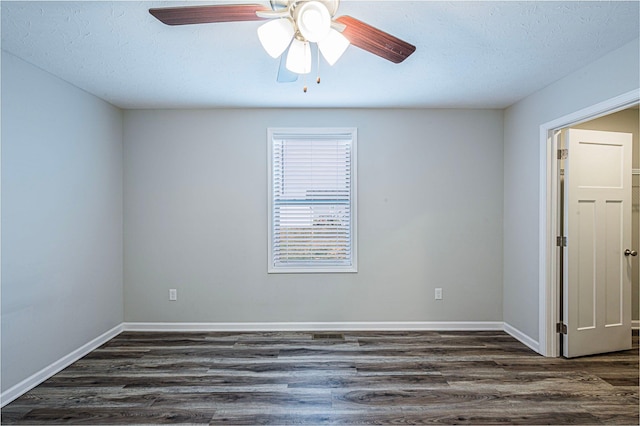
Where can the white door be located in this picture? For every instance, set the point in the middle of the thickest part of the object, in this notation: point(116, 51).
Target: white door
point(597, 224)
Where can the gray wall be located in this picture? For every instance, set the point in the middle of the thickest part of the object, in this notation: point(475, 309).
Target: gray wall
point(430, 215)
point(626, 121)
point(61, 219)
point(614, 74)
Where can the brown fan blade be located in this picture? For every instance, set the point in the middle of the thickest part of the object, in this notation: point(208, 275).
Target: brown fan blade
point(374, 40)
point(208, 14)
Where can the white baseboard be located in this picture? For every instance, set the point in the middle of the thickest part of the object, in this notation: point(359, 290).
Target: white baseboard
point(34, 380)
point(523, 338)
point(313, 326)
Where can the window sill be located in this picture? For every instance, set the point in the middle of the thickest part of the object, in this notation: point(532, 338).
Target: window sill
point(313, 270)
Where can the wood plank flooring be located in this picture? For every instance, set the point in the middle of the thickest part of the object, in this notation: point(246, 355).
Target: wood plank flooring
point(315, 378)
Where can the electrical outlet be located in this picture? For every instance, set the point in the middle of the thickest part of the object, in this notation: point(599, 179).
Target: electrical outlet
point(173, 294)
point(438, 294)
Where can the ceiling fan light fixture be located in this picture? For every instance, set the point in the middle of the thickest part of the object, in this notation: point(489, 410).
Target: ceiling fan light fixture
point(275, 36)
point(333, 46)
point(313, 21)
point(299, 57)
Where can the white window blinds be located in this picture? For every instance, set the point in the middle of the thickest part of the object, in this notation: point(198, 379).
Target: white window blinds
point(312, 201)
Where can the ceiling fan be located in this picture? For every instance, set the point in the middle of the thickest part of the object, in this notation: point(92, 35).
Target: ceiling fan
point(294, 25)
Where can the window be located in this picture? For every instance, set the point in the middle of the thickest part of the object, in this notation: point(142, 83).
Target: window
point(312, 200)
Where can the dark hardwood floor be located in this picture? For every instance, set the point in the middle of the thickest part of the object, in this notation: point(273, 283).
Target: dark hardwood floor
point(354, 378)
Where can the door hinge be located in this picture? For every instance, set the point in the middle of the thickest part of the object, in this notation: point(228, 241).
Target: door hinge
point(561, 328)
point(561, 241)
point(563, 154)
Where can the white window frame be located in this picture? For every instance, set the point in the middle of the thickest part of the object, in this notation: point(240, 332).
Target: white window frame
point(276, 133)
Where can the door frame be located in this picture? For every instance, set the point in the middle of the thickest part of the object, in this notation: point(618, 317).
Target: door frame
point(548, 257)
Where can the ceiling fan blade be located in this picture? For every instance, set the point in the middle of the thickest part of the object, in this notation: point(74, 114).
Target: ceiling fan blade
point(374, 40)
point(284, 75)
point(208, 14)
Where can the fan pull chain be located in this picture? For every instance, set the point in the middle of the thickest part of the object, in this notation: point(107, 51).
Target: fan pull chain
point(304, 89)
point(318, 67)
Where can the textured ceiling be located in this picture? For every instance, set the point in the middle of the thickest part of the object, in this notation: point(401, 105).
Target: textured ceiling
point(469, 54)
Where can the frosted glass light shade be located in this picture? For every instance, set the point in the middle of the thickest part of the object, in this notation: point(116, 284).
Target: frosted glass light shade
point(299, 57)
point(275, 36)
point(314, 21)
point(333, 46)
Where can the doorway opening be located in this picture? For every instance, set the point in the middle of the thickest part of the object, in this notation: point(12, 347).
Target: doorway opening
point(550, 258)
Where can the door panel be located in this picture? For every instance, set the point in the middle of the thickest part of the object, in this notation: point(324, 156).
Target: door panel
point(614, 280)
point(586, 247)
point(597, 223)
